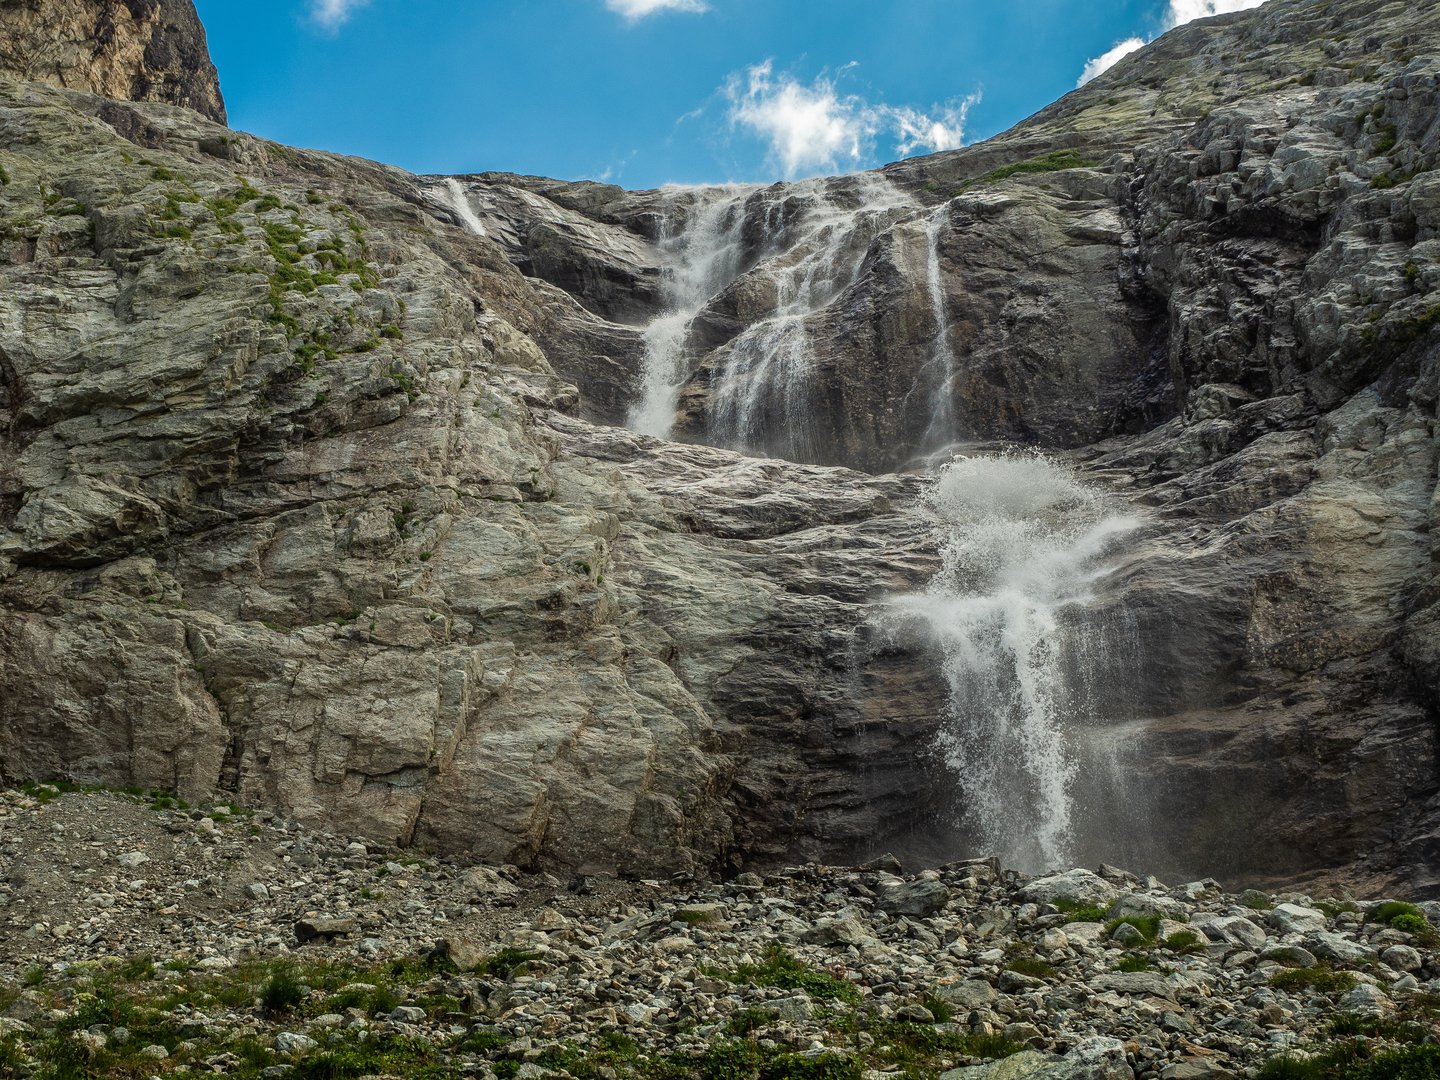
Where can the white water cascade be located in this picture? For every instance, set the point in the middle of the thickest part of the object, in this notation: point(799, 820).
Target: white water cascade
point(1024, 548)
point(460, 203)
point(762, 388)
point(940, 367)
point(703, 255)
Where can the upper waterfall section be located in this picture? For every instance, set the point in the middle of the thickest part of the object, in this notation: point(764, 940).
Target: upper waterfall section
point(1040, 288)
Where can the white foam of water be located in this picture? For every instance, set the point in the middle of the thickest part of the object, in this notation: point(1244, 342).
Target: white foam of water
point(764, 385)
point(1023, 545)
point(460, 203)
point(702, 254)
point(942, 354)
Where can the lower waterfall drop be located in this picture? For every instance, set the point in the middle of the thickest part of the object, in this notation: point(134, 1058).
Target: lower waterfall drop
point(1023, 546)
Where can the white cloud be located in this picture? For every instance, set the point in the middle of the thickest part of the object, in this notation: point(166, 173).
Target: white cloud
point(1177, 14)
point(333, 14)
point(815, 127)
point(1106, 60)
point(635, 10)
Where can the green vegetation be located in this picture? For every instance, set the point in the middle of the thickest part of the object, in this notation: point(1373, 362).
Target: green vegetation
point(1031, 966)
point(1258, 902)
point(1184, 942)
point(1322, 980)
point(507, 963)
point(282, 991)
point(158, 799)
point(1354, 1060)
point(1055, 161)
point(781, 969)
point(1082, 912)
point(4, 176)
point(1148, 925)
point(1136, 962)
point(1386, 142)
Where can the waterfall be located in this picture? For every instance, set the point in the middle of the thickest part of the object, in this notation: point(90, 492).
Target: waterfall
point(940, 366)
point(773, 361)
point(1024, 546)
point(702, 254)
point(460, 203)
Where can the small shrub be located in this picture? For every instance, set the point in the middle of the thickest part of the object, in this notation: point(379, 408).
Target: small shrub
point(1410, 924)
point(507, 963)
point(282, 991)
point(1391, 910)
point(941, 1009)
point(747, 1022)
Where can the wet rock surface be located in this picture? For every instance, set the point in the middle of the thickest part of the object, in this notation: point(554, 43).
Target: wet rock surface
point(205, 958)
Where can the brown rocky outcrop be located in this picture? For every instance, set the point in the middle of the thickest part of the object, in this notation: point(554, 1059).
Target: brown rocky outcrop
point(131, 50)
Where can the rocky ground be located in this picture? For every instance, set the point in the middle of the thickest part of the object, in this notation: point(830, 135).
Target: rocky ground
point(139, 937)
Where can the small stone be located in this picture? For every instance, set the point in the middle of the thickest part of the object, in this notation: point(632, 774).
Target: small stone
point(154, 1052)
point(292, 1042)
point(407, 1014)
point(133, 859)
point(257, 891)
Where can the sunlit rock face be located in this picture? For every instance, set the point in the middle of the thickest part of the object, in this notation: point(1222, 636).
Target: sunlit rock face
point(132, 50)
point(344, 491)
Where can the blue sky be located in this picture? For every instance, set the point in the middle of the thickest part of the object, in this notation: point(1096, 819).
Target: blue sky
point(645, 92)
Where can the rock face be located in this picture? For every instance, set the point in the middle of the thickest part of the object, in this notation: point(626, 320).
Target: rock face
point(306, 493)
point(132, 50)
point(290, 510)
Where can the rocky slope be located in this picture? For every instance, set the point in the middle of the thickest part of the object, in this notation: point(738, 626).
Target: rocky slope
point(133, 50)
point(215, 941)
point(306, 496)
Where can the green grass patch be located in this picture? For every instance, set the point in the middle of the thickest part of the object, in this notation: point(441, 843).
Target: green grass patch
point(1184, 942)
point(781, 969)
point(1322, 980)
point(1031, 966)
point(1079, 912)
point(1136, 962)
point(1055, 161)
point(1148, 925)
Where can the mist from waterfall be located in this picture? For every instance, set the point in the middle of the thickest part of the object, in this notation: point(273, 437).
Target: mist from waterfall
point(1024, 547)
point(702, 252)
